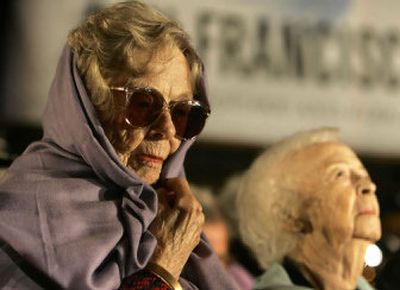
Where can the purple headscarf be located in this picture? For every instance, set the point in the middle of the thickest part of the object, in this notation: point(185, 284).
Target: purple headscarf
point(73, 216)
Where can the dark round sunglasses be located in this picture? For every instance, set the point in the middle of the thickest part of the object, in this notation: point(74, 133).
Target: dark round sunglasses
point(145, 105)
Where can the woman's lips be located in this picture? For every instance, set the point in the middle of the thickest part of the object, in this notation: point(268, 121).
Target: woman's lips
point(151, 158)
point(367, 211)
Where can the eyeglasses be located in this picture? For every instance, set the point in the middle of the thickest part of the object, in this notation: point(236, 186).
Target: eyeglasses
point(145, 105)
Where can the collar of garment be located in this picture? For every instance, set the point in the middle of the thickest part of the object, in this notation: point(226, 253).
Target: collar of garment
point(277, 276)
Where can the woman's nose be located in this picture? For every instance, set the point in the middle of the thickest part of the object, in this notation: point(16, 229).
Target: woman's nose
point(163, 127)
point(365, 186)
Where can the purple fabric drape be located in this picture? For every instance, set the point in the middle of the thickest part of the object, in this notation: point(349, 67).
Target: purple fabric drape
point(72, 216)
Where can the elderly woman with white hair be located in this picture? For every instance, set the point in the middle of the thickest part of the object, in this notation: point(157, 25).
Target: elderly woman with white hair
point(308, 209)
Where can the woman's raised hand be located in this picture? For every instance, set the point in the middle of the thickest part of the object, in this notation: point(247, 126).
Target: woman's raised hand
point(177, 226)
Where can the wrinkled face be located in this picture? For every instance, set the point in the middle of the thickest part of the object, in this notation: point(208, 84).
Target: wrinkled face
point(332, 177)
point(146, 149)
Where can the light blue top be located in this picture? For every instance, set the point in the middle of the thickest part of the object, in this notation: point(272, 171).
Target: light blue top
point(276, 278)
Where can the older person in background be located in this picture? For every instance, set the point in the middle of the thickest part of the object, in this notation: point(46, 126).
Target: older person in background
point(308, 209)
point(237, 249)
point(216, 230)
point(101, 202)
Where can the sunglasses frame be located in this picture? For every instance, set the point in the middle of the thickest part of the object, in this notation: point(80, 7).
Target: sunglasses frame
point(130, 91)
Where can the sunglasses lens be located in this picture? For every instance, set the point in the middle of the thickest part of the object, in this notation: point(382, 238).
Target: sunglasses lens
point(144, 107)
point(146, 104)
point(188, 119)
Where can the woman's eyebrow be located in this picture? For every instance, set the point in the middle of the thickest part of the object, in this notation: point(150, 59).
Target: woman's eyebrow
point(358, 167)
point(185, 95)
point(337, 164)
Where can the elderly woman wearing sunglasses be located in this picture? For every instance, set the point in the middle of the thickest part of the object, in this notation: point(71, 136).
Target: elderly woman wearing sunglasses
point(101, 201)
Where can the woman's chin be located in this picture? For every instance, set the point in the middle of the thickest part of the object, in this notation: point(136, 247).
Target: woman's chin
point(368, 228)
point(148, 174)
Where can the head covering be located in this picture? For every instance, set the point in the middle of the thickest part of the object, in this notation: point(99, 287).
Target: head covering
point(72, 215)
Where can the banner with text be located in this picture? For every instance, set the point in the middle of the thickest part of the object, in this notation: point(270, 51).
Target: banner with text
point(276, 67)
point(273, 67)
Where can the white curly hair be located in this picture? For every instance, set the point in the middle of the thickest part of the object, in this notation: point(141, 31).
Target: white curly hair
point(264, 197)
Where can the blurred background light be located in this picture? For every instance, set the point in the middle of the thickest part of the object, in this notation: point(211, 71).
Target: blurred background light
point(373, 256)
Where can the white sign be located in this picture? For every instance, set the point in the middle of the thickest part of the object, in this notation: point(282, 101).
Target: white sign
point(276, 67)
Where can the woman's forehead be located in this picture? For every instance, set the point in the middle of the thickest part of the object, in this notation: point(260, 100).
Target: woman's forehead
point(170, 75)
point(322, 155)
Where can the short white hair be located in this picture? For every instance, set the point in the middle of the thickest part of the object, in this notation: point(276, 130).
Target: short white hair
point(262, 198)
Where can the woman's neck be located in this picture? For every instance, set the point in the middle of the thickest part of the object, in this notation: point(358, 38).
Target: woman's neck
point(331, 265)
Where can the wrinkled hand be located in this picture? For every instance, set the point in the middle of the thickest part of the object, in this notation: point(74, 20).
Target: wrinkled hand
point(177, 226)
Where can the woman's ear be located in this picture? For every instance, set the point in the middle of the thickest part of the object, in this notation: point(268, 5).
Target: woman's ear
point(294, 220)
point(303, 226)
